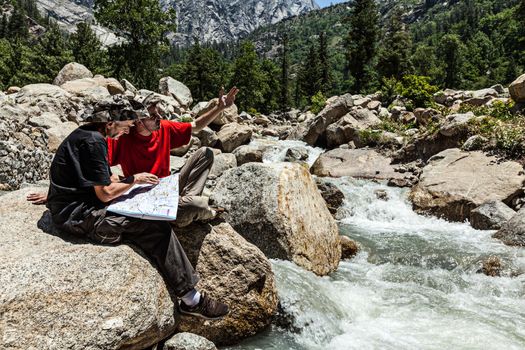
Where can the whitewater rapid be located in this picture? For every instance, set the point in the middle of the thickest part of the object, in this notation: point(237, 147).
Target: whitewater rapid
point(414, 285)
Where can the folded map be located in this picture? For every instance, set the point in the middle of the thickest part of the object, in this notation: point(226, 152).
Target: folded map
point(151, 202)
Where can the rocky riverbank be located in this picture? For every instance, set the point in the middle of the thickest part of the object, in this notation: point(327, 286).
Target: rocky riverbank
point(66, 293)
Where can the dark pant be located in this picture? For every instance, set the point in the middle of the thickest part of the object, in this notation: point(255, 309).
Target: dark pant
point(155, 238)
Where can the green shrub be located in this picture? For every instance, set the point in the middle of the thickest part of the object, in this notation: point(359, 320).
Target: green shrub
point(318, 101)
point(418, 89)
point(186, 119)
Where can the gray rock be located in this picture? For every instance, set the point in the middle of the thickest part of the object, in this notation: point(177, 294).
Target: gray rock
point(208, 137)
point(169, 103)
point(279, 209)
point(349, 248)
point(517, 89)
point(176, 163)
point(454, 182)
point(249, 153)
point(72, 71)
point(86, 88)
point(475, 143)
point(513, 231)
point(296, 154)
point(46, 120)
point(348, 127)
point(491, 215)
point(58, 133)
point(128, 86)
point(233, 135)
point(59, 292)
point(358, 163)
point(330, 114)
point(236, 273)
point(174, 88)
point(111, 84)
point(455, 123)
point(221, 163)
point(188, 341)
point(332, 195)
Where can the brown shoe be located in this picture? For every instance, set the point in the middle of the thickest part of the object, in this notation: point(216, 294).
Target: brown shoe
point(207, 309)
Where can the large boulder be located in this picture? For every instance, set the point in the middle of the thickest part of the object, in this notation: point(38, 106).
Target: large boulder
point(86, 88)
point(58, 133)
point(111, 84)
point(454, 182)
point(330, 114)
point(45, 120)
point(47, 98)
point(229, 115)
point(279, 209)
point(174, 88)
point(491, 215)
point(235, 272)
point(249, 153)
point(207, 136)
point(359, 163)
point(347, 128)
point(233, 135)
point(513, 232)
point(188, 341)
point(59, 292)
point(221, 163)
point(72, 71)
point(517, 89)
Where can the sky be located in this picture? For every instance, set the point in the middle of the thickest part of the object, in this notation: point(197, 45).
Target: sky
point(325, 3)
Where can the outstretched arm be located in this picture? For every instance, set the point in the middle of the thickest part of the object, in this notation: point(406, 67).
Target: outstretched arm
point(116, 189)
point(224, 102)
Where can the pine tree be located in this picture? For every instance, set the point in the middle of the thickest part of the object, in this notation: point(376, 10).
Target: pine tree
point(450, 51)
point(284, 100)
point(362, 41)
point(17, 27)
point(87, 49)
point(3, 26)
point(52, 53)
point(270, 87)
point(144, 25)
point(324, 65)
point(204, 72)
point(248, 77)
point(394, 53)
point(309, 77)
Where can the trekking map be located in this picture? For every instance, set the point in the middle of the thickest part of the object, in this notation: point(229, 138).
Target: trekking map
point(151, 202)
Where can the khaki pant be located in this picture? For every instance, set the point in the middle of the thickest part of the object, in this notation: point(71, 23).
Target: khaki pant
point(192, 178)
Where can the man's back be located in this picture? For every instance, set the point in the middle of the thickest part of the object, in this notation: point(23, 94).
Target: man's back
point(79, 164)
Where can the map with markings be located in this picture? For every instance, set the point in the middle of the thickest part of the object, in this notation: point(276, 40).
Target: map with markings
point(151, 202)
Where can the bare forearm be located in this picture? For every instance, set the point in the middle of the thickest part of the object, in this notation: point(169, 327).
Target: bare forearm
point(112, 191)
point(205, 119)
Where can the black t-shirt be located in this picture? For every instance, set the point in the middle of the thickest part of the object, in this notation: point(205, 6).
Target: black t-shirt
point(80, 163)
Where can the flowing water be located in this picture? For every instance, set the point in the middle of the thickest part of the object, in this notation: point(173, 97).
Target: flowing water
point(414, 285)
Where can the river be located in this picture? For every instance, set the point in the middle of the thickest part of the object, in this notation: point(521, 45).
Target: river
point(414, 285)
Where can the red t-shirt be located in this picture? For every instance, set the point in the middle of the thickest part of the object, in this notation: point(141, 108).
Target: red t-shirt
point(137, 154)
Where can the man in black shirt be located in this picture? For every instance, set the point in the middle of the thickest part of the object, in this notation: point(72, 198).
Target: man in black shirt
point(81, 187)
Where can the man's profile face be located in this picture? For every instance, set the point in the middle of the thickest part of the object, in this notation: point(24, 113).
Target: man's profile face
point(116, 129)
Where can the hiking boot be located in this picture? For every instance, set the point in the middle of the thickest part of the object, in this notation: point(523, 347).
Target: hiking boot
point(207, 309)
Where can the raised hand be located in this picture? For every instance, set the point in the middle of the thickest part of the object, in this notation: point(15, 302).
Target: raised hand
point(228, 100)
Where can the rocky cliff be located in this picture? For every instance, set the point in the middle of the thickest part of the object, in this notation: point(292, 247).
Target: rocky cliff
point(210, 21)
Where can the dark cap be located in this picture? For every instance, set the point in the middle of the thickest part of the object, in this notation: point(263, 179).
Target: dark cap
point(113, 109)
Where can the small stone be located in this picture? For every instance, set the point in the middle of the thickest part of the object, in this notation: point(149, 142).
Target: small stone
point(188, 341)
point(349, 248)
point(492, 266)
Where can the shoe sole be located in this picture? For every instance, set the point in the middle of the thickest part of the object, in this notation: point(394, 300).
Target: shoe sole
point(196, 314)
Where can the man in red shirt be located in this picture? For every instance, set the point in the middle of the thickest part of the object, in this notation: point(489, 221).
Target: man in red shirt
point(147, 149)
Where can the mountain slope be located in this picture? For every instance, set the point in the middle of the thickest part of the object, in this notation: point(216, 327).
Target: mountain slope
point(207, 20)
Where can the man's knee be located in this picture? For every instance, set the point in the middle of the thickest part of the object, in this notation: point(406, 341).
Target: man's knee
point(206, 154)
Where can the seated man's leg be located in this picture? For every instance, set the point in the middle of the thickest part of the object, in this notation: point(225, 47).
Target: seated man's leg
point(194, 173)
point(159, 243)
point(192, 178)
